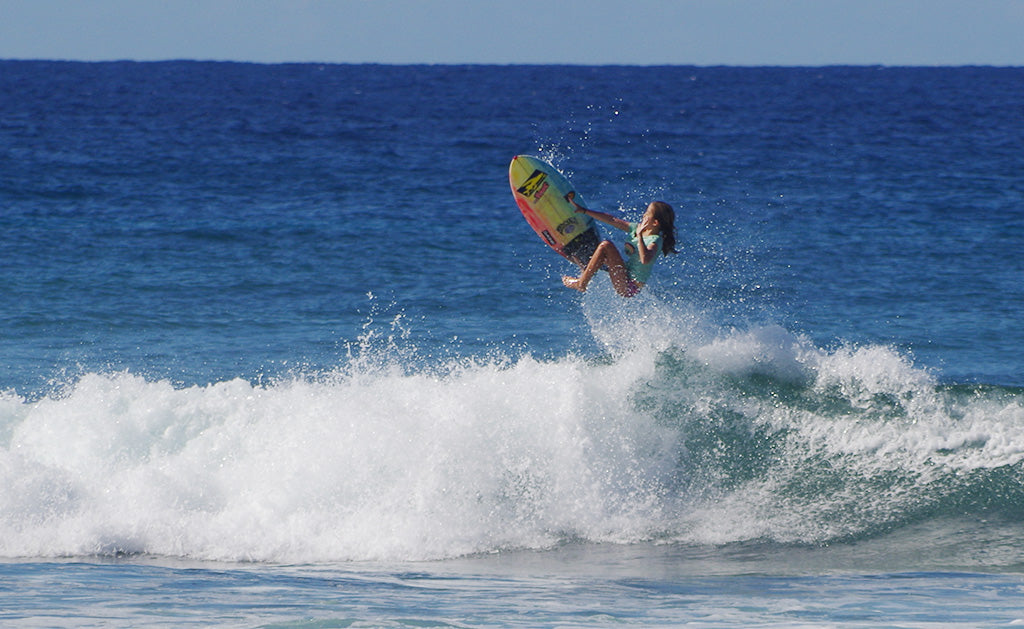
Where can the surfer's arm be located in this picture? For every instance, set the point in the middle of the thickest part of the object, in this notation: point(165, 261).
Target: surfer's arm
point(647, 252)
point(614, 221)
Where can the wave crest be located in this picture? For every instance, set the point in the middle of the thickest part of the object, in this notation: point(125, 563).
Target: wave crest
point(681, 434)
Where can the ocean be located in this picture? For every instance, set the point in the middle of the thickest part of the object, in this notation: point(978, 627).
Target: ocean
point(277, 348)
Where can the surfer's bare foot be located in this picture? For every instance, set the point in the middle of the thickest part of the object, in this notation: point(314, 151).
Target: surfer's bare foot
point(574, 283)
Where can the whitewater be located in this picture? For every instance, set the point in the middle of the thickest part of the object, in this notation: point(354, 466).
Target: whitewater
point(680, 435)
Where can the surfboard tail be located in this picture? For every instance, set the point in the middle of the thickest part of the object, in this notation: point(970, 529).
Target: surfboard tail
point(581, 248)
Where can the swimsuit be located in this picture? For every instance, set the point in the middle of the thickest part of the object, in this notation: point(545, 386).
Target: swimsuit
point(638, 272)
point(632, 288)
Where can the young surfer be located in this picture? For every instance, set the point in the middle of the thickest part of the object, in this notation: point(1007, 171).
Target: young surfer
point(654, 234)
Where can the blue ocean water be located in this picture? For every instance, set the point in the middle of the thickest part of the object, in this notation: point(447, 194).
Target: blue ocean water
point(277, 348)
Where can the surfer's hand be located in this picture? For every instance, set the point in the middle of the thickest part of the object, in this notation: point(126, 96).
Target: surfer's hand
point(571, 198)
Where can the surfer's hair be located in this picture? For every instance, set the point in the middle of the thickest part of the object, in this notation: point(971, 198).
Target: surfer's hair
point(666, 217)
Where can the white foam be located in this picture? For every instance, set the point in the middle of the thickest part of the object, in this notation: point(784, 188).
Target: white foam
point(485, 456)
point(381, 460)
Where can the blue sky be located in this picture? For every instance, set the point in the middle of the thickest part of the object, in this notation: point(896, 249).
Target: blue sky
point(700, 32)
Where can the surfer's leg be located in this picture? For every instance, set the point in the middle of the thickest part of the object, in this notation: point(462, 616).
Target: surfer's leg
point(605, 254)
point(624, 285)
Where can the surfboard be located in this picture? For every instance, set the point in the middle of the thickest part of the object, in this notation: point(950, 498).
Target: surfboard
point(539, 190)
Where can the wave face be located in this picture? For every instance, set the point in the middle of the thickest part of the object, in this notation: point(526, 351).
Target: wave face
point(678, 433)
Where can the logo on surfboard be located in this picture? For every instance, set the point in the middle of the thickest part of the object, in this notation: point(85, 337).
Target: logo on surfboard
point(568, 226)
point(535, 185)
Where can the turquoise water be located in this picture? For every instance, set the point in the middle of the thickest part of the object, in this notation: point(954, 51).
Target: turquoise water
point(278, 349)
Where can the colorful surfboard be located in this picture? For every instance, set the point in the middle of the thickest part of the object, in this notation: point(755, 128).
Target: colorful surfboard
point(539, 190)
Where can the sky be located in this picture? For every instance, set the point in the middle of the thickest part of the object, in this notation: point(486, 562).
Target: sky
point(592, 32)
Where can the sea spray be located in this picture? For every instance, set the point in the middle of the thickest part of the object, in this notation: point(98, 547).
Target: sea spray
point(681, 432)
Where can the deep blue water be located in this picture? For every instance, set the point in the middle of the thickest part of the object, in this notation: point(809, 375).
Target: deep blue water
point(290, 316)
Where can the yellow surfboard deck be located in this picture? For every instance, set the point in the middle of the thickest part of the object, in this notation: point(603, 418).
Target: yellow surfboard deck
point(539, 190)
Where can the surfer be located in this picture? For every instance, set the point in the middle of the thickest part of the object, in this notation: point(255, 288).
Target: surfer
point(654, 234)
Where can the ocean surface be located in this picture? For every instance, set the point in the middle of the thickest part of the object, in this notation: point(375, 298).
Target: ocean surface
point(277, 348)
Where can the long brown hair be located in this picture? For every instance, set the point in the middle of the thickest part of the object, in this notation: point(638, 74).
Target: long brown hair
point(666, 217)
